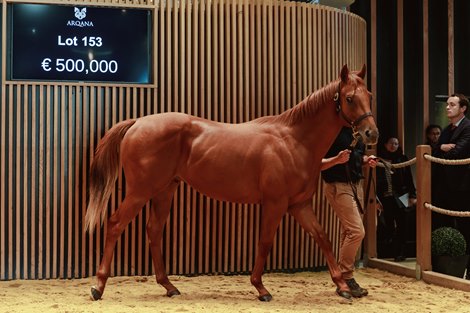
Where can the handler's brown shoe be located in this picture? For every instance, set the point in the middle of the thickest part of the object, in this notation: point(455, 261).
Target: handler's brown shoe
point(356, 290)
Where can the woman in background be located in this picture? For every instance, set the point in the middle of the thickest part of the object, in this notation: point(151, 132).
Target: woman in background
point(396, 191)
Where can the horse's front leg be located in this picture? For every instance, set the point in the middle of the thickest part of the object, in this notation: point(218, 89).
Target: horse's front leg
point(128, 209)
point(306, 218)
point(272, 213)
point(157, 218)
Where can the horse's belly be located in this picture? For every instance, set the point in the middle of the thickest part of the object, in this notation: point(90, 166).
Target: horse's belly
point(225, 188)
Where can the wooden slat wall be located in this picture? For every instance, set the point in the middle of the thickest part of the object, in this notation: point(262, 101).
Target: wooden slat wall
point(229, 61)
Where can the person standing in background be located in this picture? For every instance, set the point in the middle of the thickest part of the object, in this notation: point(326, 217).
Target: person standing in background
point(394, 187)
point(433, 132)
point(451, 183)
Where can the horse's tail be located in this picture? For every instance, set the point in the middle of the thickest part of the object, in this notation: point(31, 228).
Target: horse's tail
point(104, 172)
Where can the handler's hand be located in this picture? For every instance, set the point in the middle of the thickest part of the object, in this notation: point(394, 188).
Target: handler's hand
point(370, 160)
point(343, 156)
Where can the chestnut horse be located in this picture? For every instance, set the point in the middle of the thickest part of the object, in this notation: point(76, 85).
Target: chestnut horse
point(273, 160)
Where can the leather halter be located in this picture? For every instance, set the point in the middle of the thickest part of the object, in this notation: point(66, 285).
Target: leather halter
point(354, 123)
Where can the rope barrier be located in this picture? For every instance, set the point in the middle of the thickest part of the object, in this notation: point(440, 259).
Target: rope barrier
point(397, 165)
point(446, 212)
point(427, 157)
point(383, 163)
point(446, 161)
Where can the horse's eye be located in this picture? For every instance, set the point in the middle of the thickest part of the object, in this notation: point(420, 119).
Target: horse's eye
point(349, 99)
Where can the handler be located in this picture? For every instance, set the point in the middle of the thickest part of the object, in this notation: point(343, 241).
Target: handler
point(342, 174)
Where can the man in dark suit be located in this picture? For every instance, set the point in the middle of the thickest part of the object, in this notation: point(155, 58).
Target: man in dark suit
point(451, 183)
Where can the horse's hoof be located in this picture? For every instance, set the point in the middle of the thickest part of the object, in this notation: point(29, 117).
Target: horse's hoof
point(265, 298)
point(343, 293)
point(95, 294)
point(174, 292)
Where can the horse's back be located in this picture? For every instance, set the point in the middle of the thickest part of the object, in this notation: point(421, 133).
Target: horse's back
point(219, 159)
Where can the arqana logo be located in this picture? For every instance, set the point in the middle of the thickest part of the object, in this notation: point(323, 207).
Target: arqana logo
point(80, 14)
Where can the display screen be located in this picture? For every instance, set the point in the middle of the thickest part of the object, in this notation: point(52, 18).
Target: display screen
point(79, 43)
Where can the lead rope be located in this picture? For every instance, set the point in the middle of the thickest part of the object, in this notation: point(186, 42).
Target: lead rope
point(348, 175)
point(369, 183)
point(388, 177)
point(354, 191)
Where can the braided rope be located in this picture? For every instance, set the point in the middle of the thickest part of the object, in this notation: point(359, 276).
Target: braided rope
point(388, 177)
point(446, 212)
point(397, 165)
point(445, 161)
point(428, 157)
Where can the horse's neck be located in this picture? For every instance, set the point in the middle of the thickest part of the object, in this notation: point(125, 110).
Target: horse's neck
point(319, 129)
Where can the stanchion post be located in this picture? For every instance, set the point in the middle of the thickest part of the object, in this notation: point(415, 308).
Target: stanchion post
point(423, 215)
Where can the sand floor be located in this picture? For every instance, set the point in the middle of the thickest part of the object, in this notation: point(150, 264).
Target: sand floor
point(300, 292)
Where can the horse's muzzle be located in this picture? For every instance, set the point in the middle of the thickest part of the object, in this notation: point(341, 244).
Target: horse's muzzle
point(370, 136)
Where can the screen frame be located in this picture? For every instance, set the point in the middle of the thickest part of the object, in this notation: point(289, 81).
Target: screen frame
point(9, 53)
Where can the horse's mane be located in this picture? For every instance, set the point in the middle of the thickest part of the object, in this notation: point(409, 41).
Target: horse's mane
point(307, 107)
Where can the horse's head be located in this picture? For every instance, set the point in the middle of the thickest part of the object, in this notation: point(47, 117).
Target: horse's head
point(353, 102)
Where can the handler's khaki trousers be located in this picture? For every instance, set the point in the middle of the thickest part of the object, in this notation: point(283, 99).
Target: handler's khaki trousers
point(341, 198)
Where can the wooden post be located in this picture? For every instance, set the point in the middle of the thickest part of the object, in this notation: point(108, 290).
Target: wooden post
point(423, 215)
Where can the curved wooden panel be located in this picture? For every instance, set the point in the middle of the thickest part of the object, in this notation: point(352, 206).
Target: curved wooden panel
point(229, 61)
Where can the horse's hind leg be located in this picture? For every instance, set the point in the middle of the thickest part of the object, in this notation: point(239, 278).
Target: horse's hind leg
point(306, 218)
point(157, 218)
point(128, 209)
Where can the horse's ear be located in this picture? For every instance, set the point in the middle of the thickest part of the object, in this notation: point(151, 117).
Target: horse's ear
point(363, 71)
point(344, 73)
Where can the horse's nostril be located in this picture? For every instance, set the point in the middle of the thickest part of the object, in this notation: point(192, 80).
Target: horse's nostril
point(368, 133)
